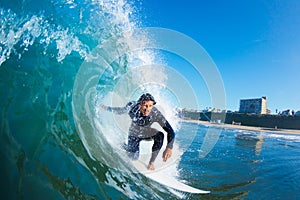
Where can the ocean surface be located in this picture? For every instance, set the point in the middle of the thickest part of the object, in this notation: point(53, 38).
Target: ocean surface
point(244, 165)
point(59, 61)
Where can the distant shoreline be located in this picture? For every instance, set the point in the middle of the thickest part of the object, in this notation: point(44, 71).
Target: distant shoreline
point(241, 127)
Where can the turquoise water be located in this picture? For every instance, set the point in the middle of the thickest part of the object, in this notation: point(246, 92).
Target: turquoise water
point(58, 61)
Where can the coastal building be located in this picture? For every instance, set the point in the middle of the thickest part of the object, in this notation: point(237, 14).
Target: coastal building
point(287, 112)
point(256, 106)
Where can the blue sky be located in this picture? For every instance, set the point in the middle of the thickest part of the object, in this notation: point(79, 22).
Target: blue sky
point(254, 43)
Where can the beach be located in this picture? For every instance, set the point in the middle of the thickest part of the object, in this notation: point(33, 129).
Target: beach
point(241, 127)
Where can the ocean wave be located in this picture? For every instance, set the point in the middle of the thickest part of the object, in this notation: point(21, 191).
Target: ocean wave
point(43, 48)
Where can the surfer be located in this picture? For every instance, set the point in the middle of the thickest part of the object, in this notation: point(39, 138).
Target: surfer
point(143, 114)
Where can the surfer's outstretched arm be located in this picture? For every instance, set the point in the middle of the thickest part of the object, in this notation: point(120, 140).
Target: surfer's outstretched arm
point(117, 110)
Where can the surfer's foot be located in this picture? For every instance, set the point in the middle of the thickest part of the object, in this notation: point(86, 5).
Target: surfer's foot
point(151, 166)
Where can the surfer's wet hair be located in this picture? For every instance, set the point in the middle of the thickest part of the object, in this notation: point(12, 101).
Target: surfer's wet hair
point(146, 97)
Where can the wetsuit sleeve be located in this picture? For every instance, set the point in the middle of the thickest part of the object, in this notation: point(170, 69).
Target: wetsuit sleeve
point(166, 126)
point(120, 110)
point(170, 136)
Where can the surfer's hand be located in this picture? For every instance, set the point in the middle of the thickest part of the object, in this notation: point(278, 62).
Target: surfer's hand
point(104, 107)
point(167, 154)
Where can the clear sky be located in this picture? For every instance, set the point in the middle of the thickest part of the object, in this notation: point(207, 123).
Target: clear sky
point(254, 43)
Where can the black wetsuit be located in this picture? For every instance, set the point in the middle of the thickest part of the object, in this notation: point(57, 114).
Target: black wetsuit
point(140, 129)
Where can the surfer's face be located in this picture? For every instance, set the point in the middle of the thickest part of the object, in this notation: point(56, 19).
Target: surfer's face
point(146, 107)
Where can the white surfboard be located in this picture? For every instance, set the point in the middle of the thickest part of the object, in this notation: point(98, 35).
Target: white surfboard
point(161, 174)
point(161, 177)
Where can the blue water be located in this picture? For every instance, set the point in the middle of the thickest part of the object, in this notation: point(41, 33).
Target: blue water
point(58, 61)
point(245, 165)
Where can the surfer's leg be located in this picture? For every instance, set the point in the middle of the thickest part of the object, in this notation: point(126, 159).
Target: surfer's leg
point(133, 147)
point(158, 142)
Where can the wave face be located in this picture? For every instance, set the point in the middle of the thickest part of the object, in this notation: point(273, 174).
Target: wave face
point(55, 142)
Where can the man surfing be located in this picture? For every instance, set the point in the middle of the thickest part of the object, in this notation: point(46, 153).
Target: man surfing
point(143, 114)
